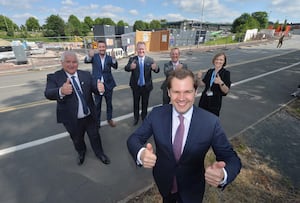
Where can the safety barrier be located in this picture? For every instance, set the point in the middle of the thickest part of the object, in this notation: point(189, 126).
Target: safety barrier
point(119, 52)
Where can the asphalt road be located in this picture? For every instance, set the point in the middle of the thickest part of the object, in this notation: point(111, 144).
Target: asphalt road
point(37, 157)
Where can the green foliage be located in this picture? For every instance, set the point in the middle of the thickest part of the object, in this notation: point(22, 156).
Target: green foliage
point(73, 27)
point(54, 27)
point(262, 19)
point(276, 25)
point(121, 23)
point(32, 24)
point(222, 40)
point(139, 25)
point(155, 24)
point(89, 22)
point(8, 25)
point(243, 23)
point(98, 21)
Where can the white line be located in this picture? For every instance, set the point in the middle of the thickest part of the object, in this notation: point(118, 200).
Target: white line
point(120, 118)
point(32, 144)
point(264, 74)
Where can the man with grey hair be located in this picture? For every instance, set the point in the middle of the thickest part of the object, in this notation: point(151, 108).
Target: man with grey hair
point(72, 89)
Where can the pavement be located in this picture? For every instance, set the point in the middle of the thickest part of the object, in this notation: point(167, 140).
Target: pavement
point(275, 136)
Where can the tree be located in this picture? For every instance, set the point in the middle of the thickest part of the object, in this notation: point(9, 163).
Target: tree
point(108, 21)
point(121, 23)
point(54, 27)
point(155, 24)
point(8, 25)
point(262, 19)
point(139, 25)
point(98, 21)
point(163, 23)
point(243, 23)
point(85, 29)
point(89, 22)
point(32, 24)
point(73, 26)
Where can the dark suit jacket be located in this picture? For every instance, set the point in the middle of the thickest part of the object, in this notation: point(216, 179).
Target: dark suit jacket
point(205, 131)
point(135, 74)
point(168, 67)
point(67, 107)
point(98, 71)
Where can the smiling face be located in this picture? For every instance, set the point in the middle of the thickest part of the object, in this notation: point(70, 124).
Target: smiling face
point(141, 49)
point(102, 48)
point(182, 93)
point(175, 55)
point(219, 60)
point(70, 62)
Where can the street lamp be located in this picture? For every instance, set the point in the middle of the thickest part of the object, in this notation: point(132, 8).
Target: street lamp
point(202, 9)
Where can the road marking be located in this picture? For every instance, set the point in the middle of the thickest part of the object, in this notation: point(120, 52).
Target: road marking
point(103, 123)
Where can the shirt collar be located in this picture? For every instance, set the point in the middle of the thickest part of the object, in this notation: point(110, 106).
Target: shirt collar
point(187, 115)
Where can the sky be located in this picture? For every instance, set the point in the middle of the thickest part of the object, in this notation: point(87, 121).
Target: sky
point(214, 11)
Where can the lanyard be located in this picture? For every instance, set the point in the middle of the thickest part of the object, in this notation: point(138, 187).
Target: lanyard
point(212, 79)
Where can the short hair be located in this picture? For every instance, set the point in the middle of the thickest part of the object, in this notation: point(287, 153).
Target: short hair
point(220, 54)
point(68, 53)
point(175, 48)
point(181, 73)
point(140, 42)
point(101, 41)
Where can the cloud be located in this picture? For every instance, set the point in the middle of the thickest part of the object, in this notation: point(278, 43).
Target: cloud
point(68, 2)
point(111, 8)
point(133, 12)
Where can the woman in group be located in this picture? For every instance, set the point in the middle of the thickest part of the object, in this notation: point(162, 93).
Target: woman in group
point(217, 84)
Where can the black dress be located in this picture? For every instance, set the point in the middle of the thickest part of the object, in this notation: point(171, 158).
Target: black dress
point(213, 103)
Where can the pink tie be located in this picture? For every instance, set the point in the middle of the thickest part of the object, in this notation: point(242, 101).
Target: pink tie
point(177, 145)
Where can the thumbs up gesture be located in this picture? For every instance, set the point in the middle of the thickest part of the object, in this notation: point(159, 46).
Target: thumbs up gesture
point(100, 87)
point(67, 88)
point(133, 65)
point(214, 174)
point(148, 157)
point(112, 54)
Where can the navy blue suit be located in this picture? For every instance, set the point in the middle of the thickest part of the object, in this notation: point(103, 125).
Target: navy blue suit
point(67, 109)
point(109, 83)
point(205, 131)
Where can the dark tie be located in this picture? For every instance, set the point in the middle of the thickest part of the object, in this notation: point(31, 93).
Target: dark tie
point(177, 145)
point(84, 105)
point(141, 81)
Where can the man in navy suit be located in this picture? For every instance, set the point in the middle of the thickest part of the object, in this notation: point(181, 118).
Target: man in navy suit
point(101, 70)
point(178, 167)
point(72, 89)
point(141, 67)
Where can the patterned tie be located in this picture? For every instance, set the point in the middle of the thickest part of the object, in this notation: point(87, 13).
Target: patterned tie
point(84, 105)
point(141, 81)
point(177, 145)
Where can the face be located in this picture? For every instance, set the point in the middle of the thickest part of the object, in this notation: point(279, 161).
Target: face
point(141, 50)
point(219, 61)
point(174, 55)
point(102, 48)
point(182, 94)
point(70, 64)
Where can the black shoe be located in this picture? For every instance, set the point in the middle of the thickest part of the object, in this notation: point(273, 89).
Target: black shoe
point(135, 122)
point(80, 158)
point(104, 159)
